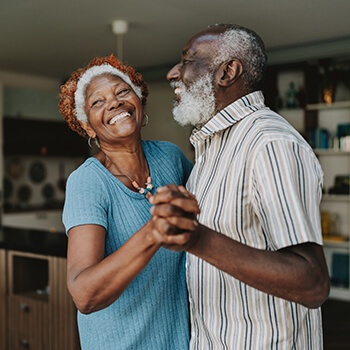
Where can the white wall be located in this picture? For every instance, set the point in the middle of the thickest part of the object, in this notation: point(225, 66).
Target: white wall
point(161, 124)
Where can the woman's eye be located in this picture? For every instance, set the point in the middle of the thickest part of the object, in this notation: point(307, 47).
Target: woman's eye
point(95, 103)
point(123, 92)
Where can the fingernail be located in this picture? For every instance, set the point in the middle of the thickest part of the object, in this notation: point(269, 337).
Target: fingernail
point(151, 210)
point(195, 223)
point(151, 199)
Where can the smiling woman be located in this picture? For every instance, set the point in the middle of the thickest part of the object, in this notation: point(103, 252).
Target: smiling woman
point(129, 292)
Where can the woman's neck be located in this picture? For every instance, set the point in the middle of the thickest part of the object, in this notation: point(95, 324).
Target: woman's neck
point(126, 161)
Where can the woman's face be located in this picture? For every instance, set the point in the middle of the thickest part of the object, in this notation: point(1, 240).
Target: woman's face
point(113, 109)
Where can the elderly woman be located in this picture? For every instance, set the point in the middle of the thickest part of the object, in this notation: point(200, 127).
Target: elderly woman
point(130, 294)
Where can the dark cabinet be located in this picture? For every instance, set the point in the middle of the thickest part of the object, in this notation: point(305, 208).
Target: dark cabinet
point(38, 137)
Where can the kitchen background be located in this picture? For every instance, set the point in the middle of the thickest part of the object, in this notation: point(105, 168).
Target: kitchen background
point(41, 43)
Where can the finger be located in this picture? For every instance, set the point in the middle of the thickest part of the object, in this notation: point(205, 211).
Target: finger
point(186, 204)
point(183, 223)
point(165, 228)
point(165, 196)
point(180, 239)
point(166, 210)
point(185, 192)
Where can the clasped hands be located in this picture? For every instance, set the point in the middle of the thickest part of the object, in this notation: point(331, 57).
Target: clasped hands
point(174, 213)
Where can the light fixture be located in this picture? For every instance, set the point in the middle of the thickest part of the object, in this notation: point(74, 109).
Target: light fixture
point(119, 28)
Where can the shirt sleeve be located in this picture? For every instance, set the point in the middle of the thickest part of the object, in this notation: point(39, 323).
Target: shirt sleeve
point(86, 200)
point(287, 181)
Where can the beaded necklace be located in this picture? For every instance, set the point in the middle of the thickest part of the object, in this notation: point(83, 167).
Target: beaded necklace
point(144, 190)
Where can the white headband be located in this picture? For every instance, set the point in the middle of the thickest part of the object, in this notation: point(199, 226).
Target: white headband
point(86, 78)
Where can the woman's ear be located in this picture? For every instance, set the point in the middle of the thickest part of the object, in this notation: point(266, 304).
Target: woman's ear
point(89, 130)
point(229, 72)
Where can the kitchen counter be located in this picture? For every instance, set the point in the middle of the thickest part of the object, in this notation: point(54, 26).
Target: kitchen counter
point(34, 241)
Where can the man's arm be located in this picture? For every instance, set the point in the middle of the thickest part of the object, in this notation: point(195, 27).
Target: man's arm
point(297, 273)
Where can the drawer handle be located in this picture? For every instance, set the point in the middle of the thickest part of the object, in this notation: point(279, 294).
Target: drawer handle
point(24, 343)
point(24, 307)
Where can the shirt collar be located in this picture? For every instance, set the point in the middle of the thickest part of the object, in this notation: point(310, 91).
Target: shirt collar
point(230, 115)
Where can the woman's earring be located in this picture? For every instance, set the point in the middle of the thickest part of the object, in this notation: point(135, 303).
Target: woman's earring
point(145, 121)
point(95, 140)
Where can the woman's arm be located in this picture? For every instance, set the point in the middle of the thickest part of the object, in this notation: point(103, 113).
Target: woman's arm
point(96, 282)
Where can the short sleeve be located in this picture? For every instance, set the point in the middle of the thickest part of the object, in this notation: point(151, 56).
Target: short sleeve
point(287, 181)
point(86, 200)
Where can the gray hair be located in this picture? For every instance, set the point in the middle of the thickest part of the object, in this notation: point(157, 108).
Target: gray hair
point(245, 45)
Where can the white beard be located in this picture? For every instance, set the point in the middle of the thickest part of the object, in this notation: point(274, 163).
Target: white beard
point(197, 104)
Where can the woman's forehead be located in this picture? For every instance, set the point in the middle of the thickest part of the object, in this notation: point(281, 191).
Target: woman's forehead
point(106, 78)
point(103, 80)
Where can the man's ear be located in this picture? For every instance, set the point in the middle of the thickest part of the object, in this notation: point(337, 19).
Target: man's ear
point(229, 72)
point(89, 130)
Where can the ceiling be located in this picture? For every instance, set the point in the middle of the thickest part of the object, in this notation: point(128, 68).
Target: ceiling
point(53, 37)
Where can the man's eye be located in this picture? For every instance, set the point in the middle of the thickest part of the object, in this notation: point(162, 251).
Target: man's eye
point(185, 62)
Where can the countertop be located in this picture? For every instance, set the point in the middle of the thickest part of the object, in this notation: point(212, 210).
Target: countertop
point(34, 241)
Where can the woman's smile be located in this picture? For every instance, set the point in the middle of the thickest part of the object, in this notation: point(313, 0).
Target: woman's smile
point(119, 117)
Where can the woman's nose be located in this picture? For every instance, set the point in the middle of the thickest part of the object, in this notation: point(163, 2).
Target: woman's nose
point(174, 73)
point(114, 102)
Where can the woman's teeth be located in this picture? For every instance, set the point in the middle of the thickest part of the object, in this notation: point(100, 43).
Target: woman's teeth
point(118, 117)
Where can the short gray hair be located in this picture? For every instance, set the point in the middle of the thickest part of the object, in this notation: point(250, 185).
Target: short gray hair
point(245, 45)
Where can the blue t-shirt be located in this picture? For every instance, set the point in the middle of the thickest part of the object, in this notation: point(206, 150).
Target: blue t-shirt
point(152, 313)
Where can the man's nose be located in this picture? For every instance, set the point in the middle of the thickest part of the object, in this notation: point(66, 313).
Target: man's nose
point(174, 73)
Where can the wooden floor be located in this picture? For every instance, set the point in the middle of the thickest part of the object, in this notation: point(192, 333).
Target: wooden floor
point(336, 325)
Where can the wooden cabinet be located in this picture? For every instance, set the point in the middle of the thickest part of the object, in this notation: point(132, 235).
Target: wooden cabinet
point(2, 299)
point(40, 313)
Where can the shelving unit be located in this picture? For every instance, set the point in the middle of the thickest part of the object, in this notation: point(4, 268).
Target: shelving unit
point(334, 161)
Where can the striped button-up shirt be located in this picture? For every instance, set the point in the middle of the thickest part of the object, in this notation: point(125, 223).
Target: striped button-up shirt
point(258, 182)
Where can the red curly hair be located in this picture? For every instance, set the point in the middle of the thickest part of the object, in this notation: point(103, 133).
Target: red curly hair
point(67, 95)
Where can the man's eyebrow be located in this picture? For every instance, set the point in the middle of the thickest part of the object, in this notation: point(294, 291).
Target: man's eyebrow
point(188, 53)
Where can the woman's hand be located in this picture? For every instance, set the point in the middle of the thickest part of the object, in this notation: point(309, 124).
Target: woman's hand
point(174, 216)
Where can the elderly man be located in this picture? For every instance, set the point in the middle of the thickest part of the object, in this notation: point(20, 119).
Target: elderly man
point(256, 271)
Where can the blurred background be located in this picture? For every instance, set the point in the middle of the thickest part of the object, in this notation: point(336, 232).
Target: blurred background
point(42, 42)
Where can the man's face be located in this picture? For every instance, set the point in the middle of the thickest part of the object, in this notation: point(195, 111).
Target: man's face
point(194, 105)
point(193, 82)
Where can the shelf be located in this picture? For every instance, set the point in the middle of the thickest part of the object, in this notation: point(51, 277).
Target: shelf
point(290, 110)
point(335, 244)
point(330, 152)
point(31, 294)
point(336, 198)
point(330, 106)
point(339, 293)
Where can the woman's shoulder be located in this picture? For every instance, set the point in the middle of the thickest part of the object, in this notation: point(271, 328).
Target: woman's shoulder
point(162, 147)
point(85, 171)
